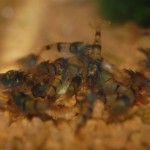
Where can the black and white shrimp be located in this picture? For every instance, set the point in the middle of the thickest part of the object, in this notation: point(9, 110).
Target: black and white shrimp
point(38, 87)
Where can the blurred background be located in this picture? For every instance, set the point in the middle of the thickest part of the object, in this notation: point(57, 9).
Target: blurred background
point(26, 26)
point(122, 11)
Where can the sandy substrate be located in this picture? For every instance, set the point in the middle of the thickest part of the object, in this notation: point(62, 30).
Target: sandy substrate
point(27, 31)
